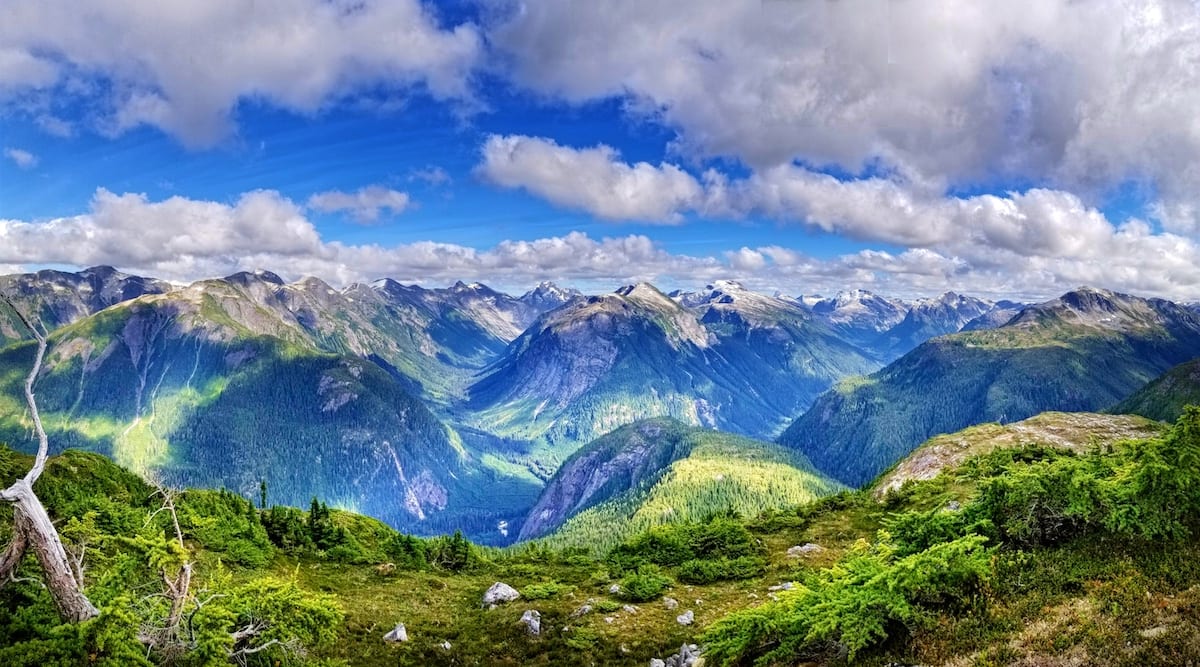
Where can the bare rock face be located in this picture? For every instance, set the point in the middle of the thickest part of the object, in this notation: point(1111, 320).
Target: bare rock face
point(398, 634)
point(532, 620)
point(499, 594)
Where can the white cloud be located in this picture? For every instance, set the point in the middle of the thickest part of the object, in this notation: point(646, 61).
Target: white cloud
point(1072, 95)
point(21, 158)
point(1022, 242)
point(364, 205)
point(183, 66)
point(431, 175)
point(591, 179)
point(185, 239)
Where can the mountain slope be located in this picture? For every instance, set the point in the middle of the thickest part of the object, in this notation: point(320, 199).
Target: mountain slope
point(57, 298)
point(1165, 396)
point(929, 318)
point(860, 316)
point(736, 360)
point(228, 382)
point(661, 470)
point(1082, 352)
point(1075, 431)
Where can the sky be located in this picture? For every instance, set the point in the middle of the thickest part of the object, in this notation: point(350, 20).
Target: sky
point(908, 147)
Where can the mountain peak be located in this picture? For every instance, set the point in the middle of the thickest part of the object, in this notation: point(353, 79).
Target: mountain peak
point(260, 275)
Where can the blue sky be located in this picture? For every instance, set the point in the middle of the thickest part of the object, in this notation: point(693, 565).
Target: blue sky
point(786, 145)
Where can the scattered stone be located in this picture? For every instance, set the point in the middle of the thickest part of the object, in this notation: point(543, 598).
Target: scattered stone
point(498, 594)
point(699, 602)
point(385, 568)
point(446, 645)
point(953, 506)
point(804, 550)
point(398, 634)
point(785, 586)
point(532, 620)
point(686, 618)
point(614, 589)
point(1152, 633)
point(629, 609)
point(609, 619)
point(671, 603)
point(753, 596)
point(687, 656)
point(581, 611)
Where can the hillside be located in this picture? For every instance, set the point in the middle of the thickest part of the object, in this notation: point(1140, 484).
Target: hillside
point(1165, 397)
point(1085, 351)
point(1021, 568)
point(1072, 431)
point(660, 470)
point(734, 360)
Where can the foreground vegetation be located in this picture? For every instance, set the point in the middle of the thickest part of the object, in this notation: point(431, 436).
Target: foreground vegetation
point(1028, 555)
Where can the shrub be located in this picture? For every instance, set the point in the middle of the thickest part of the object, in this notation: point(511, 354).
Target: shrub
point(644, 585)
point(701, 571)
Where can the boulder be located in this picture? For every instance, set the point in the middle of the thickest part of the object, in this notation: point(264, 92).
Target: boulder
point(498, 594)
point(398, 634)
point(614, 589)
point(686, 618)
point(671, 603)
point(655, 662)
point(532, 620)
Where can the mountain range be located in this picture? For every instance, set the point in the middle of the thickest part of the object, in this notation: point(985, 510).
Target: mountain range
point(504, 416)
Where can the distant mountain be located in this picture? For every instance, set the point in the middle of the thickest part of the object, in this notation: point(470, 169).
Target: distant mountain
point(229, 381)
point(1084, 351)
point(1165, 397)
point(661, 470)
point(929, 318)
point(999, 315)
point(859, 316)
point(57, 298)
point(547, 296)
point(731, 359)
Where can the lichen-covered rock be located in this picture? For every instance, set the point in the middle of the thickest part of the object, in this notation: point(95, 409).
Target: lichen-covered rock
point(532, 620)
point(398, 634)
point(804, 550)
point(498, 594)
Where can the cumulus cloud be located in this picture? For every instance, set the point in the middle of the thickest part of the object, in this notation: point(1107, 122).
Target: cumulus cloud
point(1041, 237)
point(22, 158)
point(591, 179)
point(1079, 96)
point(184, 66)
point(184, 239)
point(364, 205)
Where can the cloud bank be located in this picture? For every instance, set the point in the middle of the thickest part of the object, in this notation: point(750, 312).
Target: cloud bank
point(185, 239)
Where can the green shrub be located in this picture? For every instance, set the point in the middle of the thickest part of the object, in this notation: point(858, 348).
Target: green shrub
point(702, 571)
point(644, 585)
point(544, 590)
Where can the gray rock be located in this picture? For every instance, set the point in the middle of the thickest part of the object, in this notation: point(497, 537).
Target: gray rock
point(953, 506)
point(629, 609)
point(398, 634)
point(445, 645)
point(655, 662)
point(807, 549)
point(498, 594)
point(686, 618)
point(532, 620)
point(671, 603)
point(785, 586)
point(587, 608)
point(609, 619)
point(614, 589)
point(687, 656)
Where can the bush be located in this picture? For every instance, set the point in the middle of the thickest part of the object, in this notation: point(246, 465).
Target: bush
point(544, 590)
point(644, 585)
point(701, 571)
point(869, 594)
